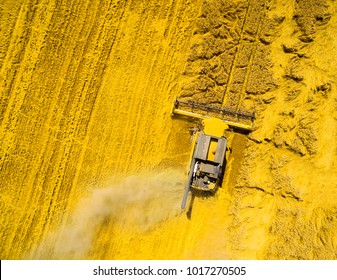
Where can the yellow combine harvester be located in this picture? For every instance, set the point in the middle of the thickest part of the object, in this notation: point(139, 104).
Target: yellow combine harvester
point(208, 158)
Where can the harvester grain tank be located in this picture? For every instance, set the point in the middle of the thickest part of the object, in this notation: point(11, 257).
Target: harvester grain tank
point(209, 148)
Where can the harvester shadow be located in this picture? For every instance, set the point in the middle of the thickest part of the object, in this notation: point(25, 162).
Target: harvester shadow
point(194, 121)
point(190, 208)
point(197, 193)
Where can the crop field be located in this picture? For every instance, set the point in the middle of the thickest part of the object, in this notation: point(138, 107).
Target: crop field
point(93, 165)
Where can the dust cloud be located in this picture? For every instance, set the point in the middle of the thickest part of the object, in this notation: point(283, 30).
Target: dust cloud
point(137, 202)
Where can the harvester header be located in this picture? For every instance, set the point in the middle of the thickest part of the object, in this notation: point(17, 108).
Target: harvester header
point(234, 119)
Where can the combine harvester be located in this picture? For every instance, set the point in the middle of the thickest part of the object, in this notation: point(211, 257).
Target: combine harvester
point(209, 143)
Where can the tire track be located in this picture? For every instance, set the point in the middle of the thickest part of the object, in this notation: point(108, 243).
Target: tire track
point(234, 62)
point(251, 58)
point(13, 76)
point(240, 71)
point(221, 59)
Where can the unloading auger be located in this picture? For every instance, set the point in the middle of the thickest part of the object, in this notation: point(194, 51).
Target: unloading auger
point(209, 148)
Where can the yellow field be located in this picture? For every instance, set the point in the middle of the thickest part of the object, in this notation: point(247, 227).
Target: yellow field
point(92, 163)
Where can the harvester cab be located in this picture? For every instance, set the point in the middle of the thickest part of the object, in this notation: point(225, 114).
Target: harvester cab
point(209, 145)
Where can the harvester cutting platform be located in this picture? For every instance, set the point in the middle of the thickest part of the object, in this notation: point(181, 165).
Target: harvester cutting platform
point(209, 144)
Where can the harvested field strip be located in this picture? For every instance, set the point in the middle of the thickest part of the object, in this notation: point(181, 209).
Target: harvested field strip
point(82, 81)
